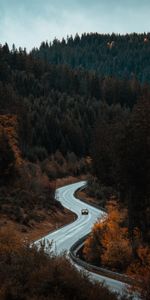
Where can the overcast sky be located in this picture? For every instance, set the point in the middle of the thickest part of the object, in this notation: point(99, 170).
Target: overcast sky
point(29, 22)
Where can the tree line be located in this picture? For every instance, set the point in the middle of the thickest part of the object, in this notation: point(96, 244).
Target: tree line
point(121, 56)
point(56, 106)
point(74, 110)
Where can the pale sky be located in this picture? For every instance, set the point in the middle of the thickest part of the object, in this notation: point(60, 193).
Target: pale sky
point(27, 23)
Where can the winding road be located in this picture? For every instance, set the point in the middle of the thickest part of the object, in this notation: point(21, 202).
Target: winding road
point(65, 237)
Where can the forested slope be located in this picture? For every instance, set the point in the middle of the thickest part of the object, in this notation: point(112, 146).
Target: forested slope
point(122, 56)
point(57, 107)
point(70, 112)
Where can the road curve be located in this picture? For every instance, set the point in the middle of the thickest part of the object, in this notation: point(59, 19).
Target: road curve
point(65, 237)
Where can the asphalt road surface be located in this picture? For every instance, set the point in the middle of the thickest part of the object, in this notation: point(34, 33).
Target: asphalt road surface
point(65, 237)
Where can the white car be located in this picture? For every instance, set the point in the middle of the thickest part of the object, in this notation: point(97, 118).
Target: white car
point(84, 211)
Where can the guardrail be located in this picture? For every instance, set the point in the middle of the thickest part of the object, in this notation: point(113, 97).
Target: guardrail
point(99, 270)
point(92, 268)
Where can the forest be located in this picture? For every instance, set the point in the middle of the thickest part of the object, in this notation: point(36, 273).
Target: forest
point(122, 56)
point(84, 97)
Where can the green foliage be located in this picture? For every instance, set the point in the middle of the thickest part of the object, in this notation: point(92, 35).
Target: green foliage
point(76, 97)
point(57, 107)
point(122, 56)
point(97, 190)
point(106, 140)
point(121, 156)
point(135, 166)
point(10, 158)
point(7, 158)
point(58, 166)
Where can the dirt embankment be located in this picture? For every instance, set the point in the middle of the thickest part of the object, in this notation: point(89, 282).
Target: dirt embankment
point(51, 221)
point(69, 180)
point(48, 220)
point(89, 200)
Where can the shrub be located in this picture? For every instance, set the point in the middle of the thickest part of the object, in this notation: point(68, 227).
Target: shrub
point(29, 273)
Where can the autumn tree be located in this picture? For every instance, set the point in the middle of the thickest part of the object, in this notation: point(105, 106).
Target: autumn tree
point(109, 242)
point(28, 272)
point(115, 241)
point(140, 266)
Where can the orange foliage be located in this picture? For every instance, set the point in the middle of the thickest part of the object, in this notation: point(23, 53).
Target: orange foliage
point(9, 241)
point(140, 270)
point(109, 243)
point(9, 128)
point(29, 273)
point(93, 247)
point(24, 186)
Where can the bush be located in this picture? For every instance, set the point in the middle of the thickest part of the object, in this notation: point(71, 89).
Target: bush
point(28, 273)
point(109, 242)
point(99, 191)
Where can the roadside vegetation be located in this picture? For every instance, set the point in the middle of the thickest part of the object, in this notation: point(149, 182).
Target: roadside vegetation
point(95, 189)
point(27, 273)
point(27, 191)
point(67, 109)
point(110, 246)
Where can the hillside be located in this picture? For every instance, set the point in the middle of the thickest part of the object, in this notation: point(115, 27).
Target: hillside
point(27, 200)
point(57, 107)
point(122, 56)
point(26, 273)
point(64, 115)
point(58, 119)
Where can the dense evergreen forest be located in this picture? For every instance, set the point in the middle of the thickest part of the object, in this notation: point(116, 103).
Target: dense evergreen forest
point(122, 56)
point(86, 96)
point(57, 106)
